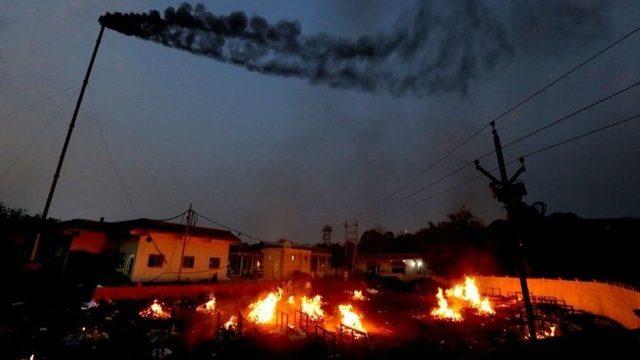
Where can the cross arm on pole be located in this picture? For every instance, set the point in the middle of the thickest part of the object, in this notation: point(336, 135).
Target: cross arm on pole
point(485, 172)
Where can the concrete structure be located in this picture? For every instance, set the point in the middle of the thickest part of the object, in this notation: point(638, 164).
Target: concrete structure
point(404, 266)
point(284, 259)
point(246, 261)
point(279, 261)
point(613, 301)
point(320, 262)
point(150, 251)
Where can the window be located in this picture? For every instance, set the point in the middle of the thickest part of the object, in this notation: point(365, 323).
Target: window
point(214, 263)
point(155, 260)
point(188, 261)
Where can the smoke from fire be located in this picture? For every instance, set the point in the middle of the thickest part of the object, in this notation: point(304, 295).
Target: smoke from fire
point(441, 47)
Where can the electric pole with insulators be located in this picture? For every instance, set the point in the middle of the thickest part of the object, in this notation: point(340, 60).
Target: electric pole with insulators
point(509, 191)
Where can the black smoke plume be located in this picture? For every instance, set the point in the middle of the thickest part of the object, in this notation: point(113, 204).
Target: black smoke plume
point(437, 49)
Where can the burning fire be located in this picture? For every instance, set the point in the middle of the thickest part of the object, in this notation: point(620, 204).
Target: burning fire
point(207, 307)
point(351, 318)
point(291, 300)
point(312, 307)
point(357, 295)
point(232, 323)
point(263, 311)
point(443, 311)
point(155, 311)
point(463, 295)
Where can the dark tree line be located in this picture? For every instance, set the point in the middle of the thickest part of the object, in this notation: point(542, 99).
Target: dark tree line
point(559, 245)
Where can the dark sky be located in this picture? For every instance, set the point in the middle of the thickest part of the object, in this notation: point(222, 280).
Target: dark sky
point(281, 157)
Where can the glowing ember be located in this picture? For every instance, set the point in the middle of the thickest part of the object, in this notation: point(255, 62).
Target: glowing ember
point(312, 307)
point(232, 323)
point(351, 318)
point(263, 311)
point(545, 333)
point(155, 311)
point(357, 295)
point(207, 307)
point(291, 300)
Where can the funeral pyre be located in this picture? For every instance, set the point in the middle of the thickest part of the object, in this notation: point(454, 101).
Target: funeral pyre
point(336, 315)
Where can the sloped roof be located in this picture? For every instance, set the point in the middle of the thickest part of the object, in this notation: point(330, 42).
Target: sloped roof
point(149, 224)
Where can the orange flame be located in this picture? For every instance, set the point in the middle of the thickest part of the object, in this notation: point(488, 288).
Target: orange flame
point(443, 311)
point(207, 307)
point(312, 307)
point(467, 293)
point(232, 323)
point(291, 300)
point(357, 295)
point(351, 318)
point(263, 311)
point(155, 311)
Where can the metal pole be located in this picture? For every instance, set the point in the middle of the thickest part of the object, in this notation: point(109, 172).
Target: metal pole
point(513, 205)
point(56, 175)
point(184, 241)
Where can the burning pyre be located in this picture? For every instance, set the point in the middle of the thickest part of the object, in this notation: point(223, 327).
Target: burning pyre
point(232, 323)
point(357, 295)
point(263, 311)
point(155, 312)
point(350, 318)
point(312, 307)
point(453, 300)
point(208, 307)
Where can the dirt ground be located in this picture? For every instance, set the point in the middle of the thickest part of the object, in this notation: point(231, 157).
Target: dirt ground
point(395, 315)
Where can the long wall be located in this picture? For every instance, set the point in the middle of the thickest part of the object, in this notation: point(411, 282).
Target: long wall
point(612, 301)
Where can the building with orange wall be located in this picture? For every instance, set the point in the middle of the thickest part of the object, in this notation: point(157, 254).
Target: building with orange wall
point(147, 250)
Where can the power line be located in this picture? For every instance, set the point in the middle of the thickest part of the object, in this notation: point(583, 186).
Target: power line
point(580, 136)
point(111, 161)
point(172, 218)
point(527, 155)
point(240, 233)
point(536, 131)
point(505, 113)
point(564, 118)
point(37, 102)
point(26, 148)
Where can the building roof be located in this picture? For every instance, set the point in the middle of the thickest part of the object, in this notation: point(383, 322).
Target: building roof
point(149, 224)
point(388, 256)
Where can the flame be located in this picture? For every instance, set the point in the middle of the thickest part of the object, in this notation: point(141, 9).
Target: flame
point(466, 293)
point(232, 323)
point(312, 307)
point(545, 333)
point(469, 292)
point(443, 311)
point(357, 295)
point(263, 311)
point(291, 300)
point(207, 307)
point(351, 318)
point(155, 311)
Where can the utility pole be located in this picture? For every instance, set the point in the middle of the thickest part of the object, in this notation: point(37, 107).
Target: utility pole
point(185, 239)
point(510, 191)
point(350, 237)
point(63, 153)
point(355, 248)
